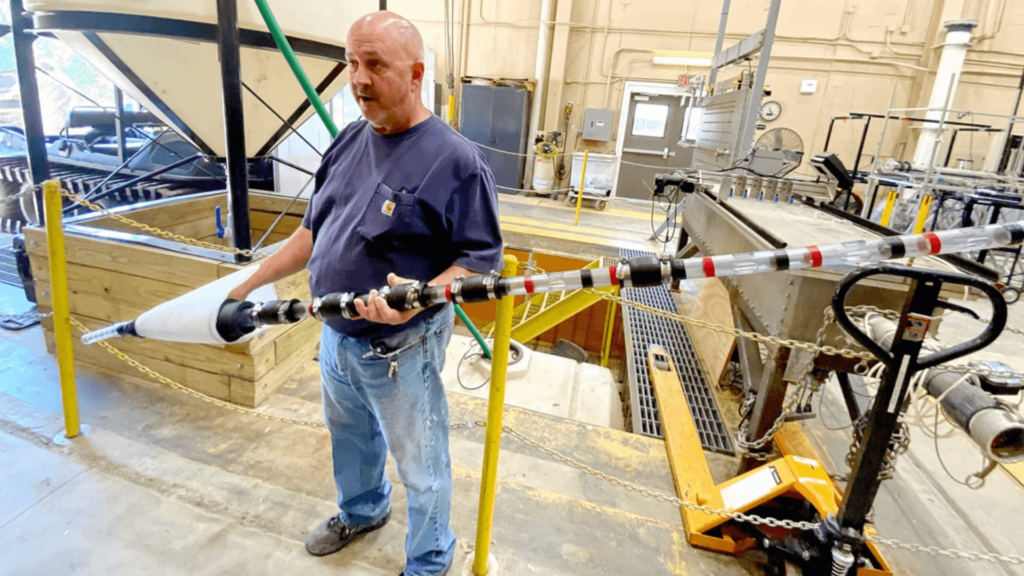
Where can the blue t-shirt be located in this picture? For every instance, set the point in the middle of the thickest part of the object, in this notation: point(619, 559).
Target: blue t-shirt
point(413, 203)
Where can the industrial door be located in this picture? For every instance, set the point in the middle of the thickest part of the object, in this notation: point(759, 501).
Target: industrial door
point(653, 129)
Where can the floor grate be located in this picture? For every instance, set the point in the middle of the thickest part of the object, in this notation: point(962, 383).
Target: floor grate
point(9, 268)
point(644, 329)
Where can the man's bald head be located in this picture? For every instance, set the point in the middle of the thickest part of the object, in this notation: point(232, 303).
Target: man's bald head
point(386, 71)
point(398, 30)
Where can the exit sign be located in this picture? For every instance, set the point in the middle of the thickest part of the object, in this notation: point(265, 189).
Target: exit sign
point(684, 80)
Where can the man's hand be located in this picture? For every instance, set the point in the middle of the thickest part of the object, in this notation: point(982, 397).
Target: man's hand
point(240, 292)
point(377, 310)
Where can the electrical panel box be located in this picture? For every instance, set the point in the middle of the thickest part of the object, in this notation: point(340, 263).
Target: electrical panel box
point(597, 124)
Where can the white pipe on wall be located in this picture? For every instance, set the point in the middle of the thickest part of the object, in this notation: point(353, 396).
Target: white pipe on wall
point(541, 70)
point(951, 64)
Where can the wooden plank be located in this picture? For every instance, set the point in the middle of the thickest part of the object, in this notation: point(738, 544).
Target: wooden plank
point(131, 259)
point(262, 221)
point(198, 228)
point(142, 291)
point(275, 203)
point(708, 299)
point(297, 339)
point(248, 393)
point(216, 385)
point(165, 216)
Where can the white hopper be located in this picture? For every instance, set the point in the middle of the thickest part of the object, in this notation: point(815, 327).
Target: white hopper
point(164, 54)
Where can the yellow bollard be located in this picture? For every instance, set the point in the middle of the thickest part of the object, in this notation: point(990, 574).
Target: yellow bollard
point(495, 409)
point(609, 329)
point(579, 198)
point(890, 203)
point(922, 214)
point(451, 109)
point(52, 205)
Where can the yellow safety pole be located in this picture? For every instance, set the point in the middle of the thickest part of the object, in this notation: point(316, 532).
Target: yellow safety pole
point(890, 203)
point(53, 207)
point(922, 214)
point(579, 198)
point(609, 328)
point(495, 409)
point(451, 109)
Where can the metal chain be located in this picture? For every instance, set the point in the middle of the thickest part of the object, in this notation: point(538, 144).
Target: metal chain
point(750, 446)
point(750, 518)
point(470, 424)
point(617, 159)
point(157, 231)
point(217, 401)
point(761, 338)
point(949, 552)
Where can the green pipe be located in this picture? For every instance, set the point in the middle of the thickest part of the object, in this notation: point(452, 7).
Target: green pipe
point(300, 74)
point(314, 99)
point(476, 333)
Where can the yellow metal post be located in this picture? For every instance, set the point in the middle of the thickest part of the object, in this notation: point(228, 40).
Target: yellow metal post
point(451, 109)
point(890, 203)
point(579, 197)
point(53, 206)
point(922, 214)
point(495, 409)
point(609, 329)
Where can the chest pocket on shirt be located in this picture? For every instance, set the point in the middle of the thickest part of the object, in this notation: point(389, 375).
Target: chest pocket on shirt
point(394, 218)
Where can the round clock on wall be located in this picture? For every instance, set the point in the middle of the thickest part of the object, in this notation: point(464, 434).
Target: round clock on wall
point(770, 110)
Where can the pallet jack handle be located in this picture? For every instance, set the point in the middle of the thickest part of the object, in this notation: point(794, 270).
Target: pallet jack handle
point(987, 336)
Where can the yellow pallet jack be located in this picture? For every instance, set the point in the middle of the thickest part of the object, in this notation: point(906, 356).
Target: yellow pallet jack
point(796, 486)
point(773, 487)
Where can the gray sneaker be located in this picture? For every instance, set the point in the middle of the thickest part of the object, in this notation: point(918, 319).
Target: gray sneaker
point(332, 534)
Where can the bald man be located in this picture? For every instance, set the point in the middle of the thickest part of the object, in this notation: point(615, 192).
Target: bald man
point(399, 197)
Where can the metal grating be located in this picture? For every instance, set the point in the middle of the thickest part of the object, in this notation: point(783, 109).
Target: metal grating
point(644, 329)
point(8, 267)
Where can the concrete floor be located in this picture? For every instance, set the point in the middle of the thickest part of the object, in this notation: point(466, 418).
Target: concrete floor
point(167, 484)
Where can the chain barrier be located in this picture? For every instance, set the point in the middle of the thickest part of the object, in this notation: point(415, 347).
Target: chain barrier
point(157, 231)
point(756, 337)
point(617, 159)
point(949, 552)
point(614, 480)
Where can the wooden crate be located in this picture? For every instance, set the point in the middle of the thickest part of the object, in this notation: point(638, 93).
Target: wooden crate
point(111, 280)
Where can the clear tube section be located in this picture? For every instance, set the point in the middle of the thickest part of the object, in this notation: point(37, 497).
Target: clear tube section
point(112, 331)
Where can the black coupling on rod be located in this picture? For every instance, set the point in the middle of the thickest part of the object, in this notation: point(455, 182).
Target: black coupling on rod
point(274, 312)
point(234, 320)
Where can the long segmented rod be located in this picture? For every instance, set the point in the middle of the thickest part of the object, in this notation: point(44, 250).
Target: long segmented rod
point(651, 271)
point(237, 319)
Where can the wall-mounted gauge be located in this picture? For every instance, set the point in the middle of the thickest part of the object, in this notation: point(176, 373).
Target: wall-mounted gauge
point(770, 110)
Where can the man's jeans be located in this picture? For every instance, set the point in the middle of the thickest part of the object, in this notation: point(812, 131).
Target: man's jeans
point(387, 393)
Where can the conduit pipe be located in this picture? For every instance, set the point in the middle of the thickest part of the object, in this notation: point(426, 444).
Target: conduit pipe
point(947, 76)
point(541, 70)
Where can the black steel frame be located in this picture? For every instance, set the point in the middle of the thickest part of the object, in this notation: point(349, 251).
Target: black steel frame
point(32, 115)
point(237, 166)
point(169, 27)
point(867, 124)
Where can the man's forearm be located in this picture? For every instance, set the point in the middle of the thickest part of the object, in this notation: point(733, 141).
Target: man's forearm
point(289, 259)
point(450, 274)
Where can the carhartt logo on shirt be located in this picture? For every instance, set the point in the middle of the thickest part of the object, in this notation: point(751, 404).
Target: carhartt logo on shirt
point(388, 208)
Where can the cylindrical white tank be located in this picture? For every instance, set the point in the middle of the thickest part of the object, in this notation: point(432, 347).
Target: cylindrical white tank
point(544, 168)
